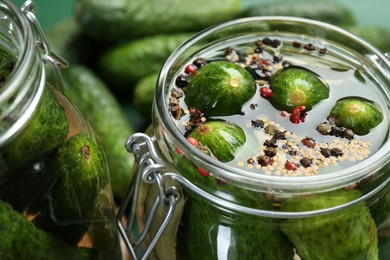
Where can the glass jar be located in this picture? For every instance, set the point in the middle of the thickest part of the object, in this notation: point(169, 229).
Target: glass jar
point(55, 195)
point(185, 204)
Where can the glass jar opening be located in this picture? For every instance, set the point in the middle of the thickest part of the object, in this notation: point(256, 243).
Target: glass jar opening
point(339, 42)
point(23, 84)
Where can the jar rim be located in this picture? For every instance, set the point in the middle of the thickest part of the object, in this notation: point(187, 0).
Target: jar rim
point(242, 177)
point(26, 43)
point(22, 33)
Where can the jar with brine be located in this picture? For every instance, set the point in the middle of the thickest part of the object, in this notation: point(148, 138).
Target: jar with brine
point(270, 140)
point(55, 194)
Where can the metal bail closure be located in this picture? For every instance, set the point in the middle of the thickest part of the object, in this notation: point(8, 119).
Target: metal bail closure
point(149, 171)
point(54, 60)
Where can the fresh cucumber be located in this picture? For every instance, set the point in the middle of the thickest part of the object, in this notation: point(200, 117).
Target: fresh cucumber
point(126, 19)
point(77, 173)
point(143, 95)
point(44, 133)
point(253, 237)
point(347, 232)
point(333, 13)
point(123, 65)
point(220, 88)
point(377, 36)
point(221, 137)
point(356, 113)
point(98, 105)
point(246, 237)
point(296, 86)
point(20, 239)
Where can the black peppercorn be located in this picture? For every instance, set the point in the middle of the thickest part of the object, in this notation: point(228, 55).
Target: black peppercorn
point(276, 43)
point(267, 41)
point(270, 152)
point(325, 152)
point(336, 152)
point(270, 143)
point(323, 51)
point(336, 131)
point(199, 62)
point(181, 81)
point(296, 44)
point(258, 50)
point(309, 47)
point(257, 123)
point(279, 135)
point(305, 162)
point(264, 160)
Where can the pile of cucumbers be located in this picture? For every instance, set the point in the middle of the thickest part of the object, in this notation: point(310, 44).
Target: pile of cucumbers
point(117, 48)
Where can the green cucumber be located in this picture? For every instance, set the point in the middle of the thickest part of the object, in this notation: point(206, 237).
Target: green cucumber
point(346, 232)
point(384, 248)
point(127, 19)
point(100, 107)
point(377, 36)
point(212, 231)
point(356, 113)
point(143, 94)
point(333, 13)
point(295, 86)
point(222, 138)
point(250, 237)
point(20, 239)
point(219, 88)
point(44, 133)
point(123, 65)
point(77, 174)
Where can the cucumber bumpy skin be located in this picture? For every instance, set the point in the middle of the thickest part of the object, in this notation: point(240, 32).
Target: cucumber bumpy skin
point(98, 105)
point(220, 88)
point(222, 138)
point(127, 19)
point(45, 132)
point(78, 173)
point(348, 232)
point(295, 86)
point(356, 113)
point(20, 239)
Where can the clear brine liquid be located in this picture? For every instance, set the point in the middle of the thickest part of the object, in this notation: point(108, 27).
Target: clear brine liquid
point(345, 78)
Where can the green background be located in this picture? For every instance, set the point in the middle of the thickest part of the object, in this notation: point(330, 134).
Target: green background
point(374, 12)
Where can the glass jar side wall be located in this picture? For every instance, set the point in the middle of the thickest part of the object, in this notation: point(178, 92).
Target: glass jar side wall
point(345, 197)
